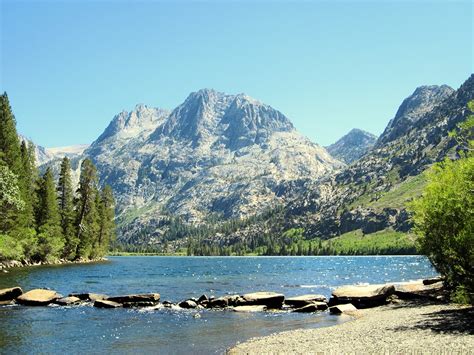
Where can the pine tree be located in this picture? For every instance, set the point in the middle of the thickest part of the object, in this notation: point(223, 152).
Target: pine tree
point(66, 209)
point(50, 239)
point(86, 210)
point(106, 220)
point(27, 179)
point(9, 141)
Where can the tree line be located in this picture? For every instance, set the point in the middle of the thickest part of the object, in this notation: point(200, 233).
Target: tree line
point(41, 220)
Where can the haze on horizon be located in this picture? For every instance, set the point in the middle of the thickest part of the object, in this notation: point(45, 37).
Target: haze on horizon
point(70, 66)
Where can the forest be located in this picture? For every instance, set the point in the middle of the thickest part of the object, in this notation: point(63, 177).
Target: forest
point(44, 220)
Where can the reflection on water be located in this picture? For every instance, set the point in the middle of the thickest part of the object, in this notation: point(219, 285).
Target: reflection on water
point(91, 330)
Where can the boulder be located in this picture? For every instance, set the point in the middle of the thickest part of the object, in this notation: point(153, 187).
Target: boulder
point(225, 301)
point(89, 296)
point(9, 294)
point(269, 299)
point(168, 304)
point(247, 309)
point(203, 299)
point(362, 296)
point(38, 297)
point(418, 289)
point(147, 297)
point(312, 307)
point(342, 308)
point(188, 304)
point(106, 304)
point(304, 300)
point(67, 301)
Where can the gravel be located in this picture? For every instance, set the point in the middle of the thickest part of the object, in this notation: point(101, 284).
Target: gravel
point(406, 328)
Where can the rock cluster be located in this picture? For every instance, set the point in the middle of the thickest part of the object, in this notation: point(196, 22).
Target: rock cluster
point(345, 299)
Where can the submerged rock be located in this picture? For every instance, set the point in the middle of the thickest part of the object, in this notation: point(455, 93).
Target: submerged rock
point(66, 301)
point(188, 304)
point(136, 298)
point(38, 297)
point(304, 300)
point(106, 304)
point(9, 294)
point(343, 308)
point(89, 296)
point(312, 307)
point(362, 296)
point(269, 299)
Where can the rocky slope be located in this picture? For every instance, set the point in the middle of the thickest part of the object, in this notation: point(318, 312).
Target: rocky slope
point(371, 193)
point(352, 146)
point(215, 156)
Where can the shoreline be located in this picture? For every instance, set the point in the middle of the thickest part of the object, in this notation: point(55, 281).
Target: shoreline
point(408, 327)
point(14, 264)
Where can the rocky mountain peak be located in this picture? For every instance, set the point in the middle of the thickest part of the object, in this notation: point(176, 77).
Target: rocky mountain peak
point(142, 119)
point(423, 100)
point(352, 146)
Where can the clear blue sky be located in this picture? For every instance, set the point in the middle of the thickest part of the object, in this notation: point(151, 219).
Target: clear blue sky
point(70, 66)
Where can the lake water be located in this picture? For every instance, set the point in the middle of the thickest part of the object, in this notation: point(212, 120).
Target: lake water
point(84, 329)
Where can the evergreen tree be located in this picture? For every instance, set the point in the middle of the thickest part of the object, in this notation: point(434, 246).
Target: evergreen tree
point(106, 220)
point(9, 141)
point(86, 210)
point(66, 209)
point(50, 239)
point(27, 186)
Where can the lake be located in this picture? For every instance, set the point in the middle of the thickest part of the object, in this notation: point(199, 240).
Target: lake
point(84, 329)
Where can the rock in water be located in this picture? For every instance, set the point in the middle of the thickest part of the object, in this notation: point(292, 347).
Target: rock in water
point(249, 309)
point(9, 294)
point(148, 297)
point(362, 296)
point(312, 307)
point(188, 304)
point(304, 300)
point(343, 308)
point(106, 304)
point(38, 297)
point(269, 299)
point(89, 296)
point(67, 301)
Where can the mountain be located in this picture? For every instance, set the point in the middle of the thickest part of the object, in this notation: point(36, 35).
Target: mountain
point(370, 195)
point(216, 156)
point(44, 155)
point(352, 146)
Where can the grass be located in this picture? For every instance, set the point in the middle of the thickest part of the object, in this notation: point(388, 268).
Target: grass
point(386, 241)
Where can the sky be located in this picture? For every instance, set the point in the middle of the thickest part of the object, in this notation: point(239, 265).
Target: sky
point(69, 66)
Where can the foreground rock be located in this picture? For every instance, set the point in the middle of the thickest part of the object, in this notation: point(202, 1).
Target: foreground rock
point(38, 297)
point(136, 299)
point(312, 307)
point(304, 300)
point(67, 301)
point(106, 304)
point(9, 294)
point(342, 308)
point(362, 296)
point(269, 299)
point(249, 309)
point(419, 289)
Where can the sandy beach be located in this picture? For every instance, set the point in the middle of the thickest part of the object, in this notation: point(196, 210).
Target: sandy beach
point(406, 328)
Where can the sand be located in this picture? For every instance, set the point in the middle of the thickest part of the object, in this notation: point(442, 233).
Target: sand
point(406, 328)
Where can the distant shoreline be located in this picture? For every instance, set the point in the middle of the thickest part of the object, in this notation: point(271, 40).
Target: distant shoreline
point(13, 264)
point(256, 256)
